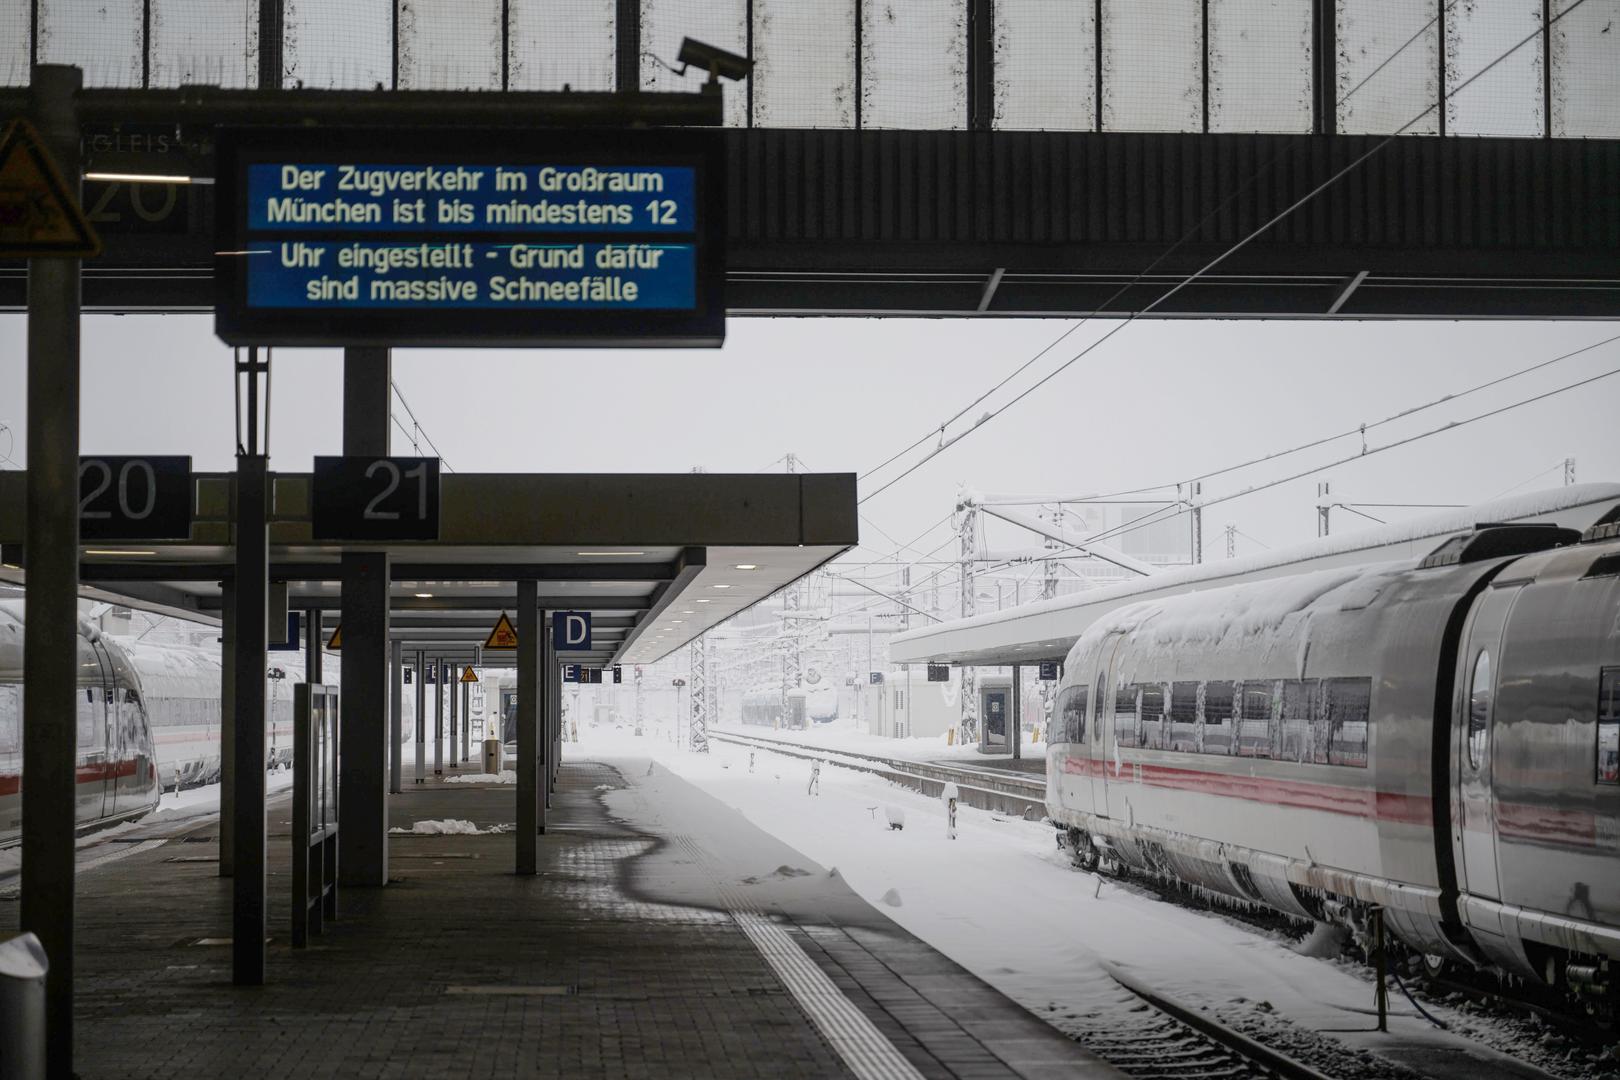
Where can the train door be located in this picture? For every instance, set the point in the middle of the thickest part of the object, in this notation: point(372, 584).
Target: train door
point(96, 775)
point(1102, 720)
point(121, 743)
point(137, 787)
point(1475, 828)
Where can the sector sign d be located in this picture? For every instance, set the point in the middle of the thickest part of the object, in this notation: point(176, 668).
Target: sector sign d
point(571, 631)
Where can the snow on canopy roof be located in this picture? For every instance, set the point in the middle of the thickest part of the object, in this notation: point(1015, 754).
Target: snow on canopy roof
point(1046, 629)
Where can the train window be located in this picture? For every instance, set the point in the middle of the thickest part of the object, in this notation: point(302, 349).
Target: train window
point(1294, 728)
point(1608, 727)
point(10, 718)
point(1099, 697)
point(1125, 729)
point(1479, 710)
point(1218, 734)
point(1152, 715)
point(1072, 705)
point(1346, 711)
point(1254, 720)
point(90, 718)
point(1183, 734)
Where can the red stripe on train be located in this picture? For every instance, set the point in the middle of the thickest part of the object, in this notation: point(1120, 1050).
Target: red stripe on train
point(1275, 791)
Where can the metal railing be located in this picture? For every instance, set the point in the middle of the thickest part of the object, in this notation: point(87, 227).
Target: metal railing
point(315, 810)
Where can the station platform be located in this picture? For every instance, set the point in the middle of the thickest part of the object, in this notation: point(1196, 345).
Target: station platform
point(693, 946)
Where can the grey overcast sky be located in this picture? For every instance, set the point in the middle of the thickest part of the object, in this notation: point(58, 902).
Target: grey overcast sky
point(1160, 401)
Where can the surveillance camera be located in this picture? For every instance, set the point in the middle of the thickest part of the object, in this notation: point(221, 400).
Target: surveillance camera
point(718, 62)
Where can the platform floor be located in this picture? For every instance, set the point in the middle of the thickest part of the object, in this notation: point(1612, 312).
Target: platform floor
point(637, 951)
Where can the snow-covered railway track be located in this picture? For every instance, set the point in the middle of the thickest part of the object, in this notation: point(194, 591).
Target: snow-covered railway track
point(1148, 1035)
point(999, 790)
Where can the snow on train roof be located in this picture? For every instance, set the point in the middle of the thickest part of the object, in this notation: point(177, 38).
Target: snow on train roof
point(1046, 629)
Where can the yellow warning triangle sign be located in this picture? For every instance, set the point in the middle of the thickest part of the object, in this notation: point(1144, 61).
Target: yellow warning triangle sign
point(336, 641)
point(469, 675)
point(504, 636)
point(38, 216)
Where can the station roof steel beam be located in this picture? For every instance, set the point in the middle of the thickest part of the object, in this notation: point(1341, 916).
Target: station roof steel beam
point(1046, 223)
point(656, 558)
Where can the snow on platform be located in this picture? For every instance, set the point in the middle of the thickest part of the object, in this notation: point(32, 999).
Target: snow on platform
point(664, 937)
point(1005, 903)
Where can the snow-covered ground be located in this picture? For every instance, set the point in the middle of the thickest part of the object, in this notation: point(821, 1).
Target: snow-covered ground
point(1002, 901)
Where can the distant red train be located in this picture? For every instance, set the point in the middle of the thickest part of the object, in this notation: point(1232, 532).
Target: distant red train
point(148, 720)
point(1438, 739)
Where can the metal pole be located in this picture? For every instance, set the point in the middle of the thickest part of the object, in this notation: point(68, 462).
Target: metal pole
point(1381, 996)
point(252, 607)
point(363, 736)
point(312, 646)
point(454, 697)
point(438, 717)
point(421, 714)
point(51, 632)
point(1015, 723)
point(551, 686)
point(396, 706)
point(530, 645)
point(466, 722)
point(227, 721)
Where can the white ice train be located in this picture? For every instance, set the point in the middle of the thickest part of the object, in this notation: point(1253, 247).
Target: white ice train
point(1437, 739)
point(148, 719)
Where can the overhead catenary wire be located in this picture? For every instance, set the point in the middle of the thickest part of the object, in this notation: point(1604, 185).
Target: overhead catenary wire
point(1177, 509)
point(416, 424)
point(1362, 429)
point(1354, 164)
point(1166, 253)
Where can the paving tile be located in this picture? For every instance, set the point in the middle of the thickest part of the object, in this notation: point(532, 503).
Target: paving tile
point(653, 990)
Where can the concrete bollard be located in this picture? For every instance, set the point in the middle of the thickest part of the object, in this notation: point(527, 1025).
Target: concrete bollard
point(22, 1008)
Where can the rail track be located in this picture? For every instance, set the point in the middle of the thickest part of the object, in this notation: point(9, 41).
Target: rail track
point(1146, 1034)
point(1000, 790)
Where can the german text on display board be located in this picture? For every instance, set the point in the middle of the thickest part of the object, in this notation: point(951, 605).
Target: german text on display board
point(541, 237)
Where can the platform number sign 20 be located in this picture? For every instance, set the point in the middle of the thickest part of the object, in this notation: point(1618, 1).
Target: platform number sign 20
point(135, 498)
point(375, 498)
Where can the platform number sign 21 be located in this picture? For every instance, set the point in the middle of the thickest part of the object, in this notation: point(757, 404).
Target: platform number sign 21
point(134, 498)
point(375, 498)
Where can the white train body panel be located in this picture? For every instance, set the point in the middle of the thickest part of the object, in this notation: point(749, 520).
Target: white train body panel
point(148, 719)
point(1305, 742)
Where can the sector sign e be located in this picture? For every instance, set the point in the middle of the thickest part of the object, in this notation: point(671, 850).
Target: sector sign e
point(455, 237)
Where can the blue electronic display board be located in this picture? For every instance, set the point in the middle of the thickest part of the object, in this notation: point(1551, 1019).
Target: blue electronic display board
point(519, 199)
point(469, 238)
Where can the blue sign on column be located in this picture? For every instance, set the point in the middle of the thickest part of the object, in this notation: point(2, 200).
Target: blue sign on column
point(571, 631)
point(1049, 670)
point(571, 672)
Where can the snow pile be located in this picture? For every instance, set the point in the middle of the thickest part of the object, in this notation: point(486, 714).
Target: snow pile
point(449, 827)
point(507, 776)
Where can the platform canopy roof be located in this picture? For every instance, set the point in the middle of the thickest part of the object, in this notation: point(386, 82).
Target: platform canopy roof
point(1047, 629)
point(656, 558)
